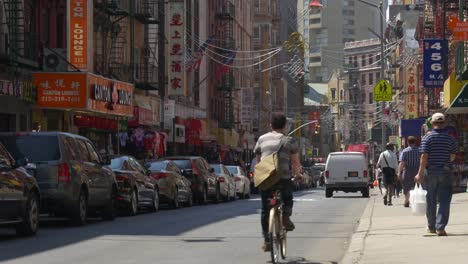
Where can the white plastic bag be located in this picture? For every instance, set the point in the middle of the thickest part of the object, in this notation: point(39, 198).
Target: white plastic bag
point(418, 201)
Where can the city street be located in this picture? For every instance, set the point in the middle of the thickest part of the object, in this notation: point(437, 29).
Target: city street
point(224, 233)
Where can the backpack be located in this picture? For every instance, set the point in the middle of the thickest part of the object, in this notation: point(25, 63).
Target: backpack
point(266, 173)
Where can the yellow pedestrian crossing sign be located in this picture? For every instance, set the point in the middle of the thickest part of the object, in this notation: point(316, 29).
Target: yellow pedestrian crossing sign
point(383, 91)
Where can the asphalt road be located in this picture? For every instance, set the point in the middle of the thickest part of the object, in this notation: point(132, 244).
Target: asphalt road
point(223, 233)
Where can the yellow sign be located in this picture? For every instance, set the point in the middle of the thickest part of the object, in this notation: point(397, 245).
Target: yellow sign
point(383, 91)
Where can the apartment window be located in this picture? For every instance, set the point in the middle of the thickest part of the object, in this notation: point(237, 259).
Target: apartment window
point(377, 76)
point(315, 21)
point(348, 31)
point(315, 59)
point(371, 78)
point(363, 60)
point(257, 6)
point(355, 62)
point(348, 12)
point(256, 32)
point(363, 79)
point(333, 94)
point(341, 95)
point(371, 98)
point(349, 22)
point(371, 59)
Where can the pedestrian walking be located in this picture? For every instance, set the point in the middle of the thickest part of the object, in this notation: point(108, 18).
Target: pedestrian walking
point(379, 174)
point(408, 168)
point(389, 164)
point(438, 150)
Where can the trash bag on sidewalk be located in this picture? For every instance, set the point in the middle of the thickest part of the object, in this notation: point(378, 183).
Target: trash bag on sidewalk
point(418, 200)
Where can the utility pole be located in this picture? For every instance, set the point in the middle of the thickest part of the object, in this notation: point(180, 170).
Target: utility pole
point(382, 71)
point(162, 58)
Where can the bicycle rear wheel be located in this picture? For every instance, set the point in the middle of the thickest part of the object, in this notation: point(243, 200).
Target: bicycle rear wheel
point(275, 236)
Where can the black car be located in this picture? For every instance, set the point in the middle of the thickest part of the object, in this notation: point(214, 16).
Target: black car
point(136, 188)
point(204, 180)
point(19, 195)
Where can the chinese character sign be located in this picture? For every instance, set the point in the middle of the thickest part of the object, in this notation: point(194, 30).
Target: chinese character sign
point(61, 90)
point(77, 17)
point(435, 51)
point(411, 91)
point(176, 48)
point(314, 116)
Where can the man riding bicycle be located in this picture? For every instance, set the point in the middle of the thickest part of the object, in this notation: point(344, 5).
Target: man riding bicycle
point(266, 145)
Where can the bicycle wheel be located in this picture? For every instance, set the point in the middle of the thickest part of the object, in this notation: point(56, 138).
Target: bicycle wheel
point(274, 230)
point(283, 243)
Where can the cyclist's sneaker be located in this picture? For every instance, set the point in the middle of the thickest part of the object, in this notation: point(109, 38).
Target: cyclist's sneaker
point(287, 224)
point(266, 247)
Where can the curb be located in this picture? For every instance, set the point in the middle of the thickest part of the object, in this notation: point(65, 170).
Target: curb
point(358, 241)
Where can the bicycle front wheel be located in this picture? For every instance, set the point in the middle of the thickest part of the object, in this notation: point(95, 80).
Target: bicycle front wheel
point(283, 243)
point(275, 236)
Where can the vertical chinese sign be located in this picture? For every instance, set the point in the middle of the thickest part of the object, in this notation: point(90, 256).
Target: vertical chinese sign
point(176, 48)
point(314, 116)
point(435, 52)
point(411, 91)
point(77, 39)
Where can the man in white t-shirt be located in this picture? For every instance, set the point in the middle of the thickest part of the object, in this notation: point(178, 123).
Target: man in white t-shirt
point(388, 163)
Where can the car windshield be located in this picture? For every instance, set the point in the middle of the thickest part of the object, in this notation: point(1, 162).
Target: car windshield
point(183, 164)
point(233, 170)
point(34, 148)
point(116, 164)
point(319, 167)
point(216, 167)
point(157, 166)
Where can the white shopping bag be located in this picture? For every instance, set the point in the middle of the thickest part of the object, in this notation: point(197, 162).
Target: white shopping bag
point(418, 200)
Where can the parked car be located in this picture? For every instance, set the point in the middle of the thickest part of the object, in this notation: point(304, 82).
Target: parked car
point(72, 177)
point(227, 185)
point(347, 172)
point(19, 195)
point(321, 168)
point(241, 180)
point(136, 188)
point(201, 175)
point(174, 188)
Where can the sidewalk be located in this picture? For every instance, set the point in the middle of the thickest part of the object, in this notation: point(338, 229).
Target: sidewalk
point(390, 234)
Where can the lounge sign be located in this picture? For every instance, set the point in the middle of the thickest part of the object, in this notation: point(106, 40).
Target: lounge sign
point(110, 96)
point(77, 24)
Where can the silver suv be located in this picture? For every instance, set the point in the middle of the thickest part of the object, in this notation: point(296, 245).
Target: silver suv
point(72, 177)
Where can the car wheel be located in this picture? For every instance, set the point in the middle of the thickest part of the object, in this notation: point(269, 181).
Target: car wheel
point(30, 222)
point(365, 192)
point(204, 195)
point(328, 193)
point(80, 212)
point(190, 200)
point(217, 197)
point(133, 205)
point(155, 203)
point(109, 212)
point(175, 201)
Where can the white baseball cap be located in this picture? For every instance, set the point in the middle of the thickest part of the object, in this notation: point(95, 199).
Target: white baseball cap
point(438, 118)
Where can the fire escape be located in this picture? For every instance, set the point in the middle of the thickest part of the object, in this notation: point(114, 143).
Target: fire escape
point(19, 39)
point(227, 83)
point(146, 72)
point(113, 61)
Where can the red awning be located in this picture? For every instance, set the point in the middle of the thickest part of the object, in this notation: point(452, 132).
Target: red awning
point(358, 148)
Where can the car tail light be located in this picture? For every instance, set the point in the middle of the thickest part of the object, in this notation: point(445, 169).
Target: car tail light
point(221, 179)
point(120, 178)
point(63, 173)
point(365, 173)
point(159, 176)
point(237, 179)
point(327, 174)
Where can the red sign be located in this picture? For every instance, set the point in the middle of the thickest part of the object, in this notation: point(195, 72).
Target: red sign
point(314, 116)
point(141, 116)
point(61, 90)
point(193, 130)
point(78, 33)
point(459, 28)
point(176, 48)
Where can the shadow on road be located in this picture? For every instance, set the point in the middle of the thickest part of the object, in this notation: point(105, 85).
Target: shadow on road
point(300, 260)
point(164, 223)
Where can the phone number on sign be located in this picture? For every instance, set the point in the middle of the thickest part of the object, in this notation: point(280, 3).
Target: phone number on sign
point(60, 99)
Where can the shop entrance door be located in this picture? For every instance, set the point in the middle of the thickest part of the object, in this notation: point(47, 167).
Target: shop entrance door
point(7, 123)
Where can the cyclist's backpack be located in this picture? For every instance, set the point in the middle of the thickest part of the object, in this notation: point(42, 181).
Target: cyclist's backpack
point(266, 173)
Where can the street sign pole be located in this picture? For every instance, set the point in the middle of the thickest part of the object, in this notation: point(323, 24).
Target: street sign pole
point(382, 71)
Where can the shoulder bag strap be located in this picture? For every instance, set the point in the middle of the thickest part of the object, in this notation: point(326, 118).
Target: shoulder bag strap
point(385, 159)
point(281, 144)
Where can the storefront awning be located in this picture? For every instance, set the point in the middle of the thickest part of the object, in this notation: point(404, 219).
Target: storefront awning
point(460, 104)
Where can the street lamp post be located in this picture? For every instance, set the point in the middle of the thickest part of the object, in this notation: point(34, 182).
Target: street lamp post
point(382, 59)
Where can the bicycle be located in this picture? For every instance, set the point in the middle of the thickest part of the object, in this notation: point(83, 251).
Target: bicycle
point(276, 231)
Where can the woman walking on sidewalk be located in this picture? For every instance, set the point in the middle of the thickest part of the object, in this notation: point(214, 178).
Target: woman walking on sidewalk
point(409, 165)
point(438, 150)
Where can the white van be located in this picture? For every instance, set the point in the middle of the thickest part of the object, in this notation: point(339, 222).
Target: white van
point(347, 172)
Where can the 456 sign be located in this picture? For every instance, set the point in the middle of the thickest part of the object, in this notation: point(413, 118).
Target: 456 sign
point(435, 52)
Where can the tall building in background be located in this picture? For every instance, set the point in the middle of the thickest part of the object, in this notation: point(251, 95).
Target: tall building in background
point(328, 28)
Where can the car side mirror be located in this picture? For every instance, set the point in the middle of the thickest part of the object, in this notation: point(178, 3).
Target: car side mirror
point(105, 160)
point(23, 162)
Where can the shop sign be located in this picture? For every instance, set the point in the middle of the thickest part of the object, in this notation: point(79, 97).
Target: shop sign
point(24, 90)
point(314, 116)
point(435, 51)
point(459, 28)
point(61, 90)
point(193, 129)
point(77, 24)
point(411, 92)
point(110, 96)
point(176, 48)
point(169, 113)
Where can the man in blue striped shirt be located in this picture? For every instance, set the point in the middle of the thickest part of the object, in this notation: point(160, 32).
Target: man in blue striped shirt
point(438, 150)
point(409, 164)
